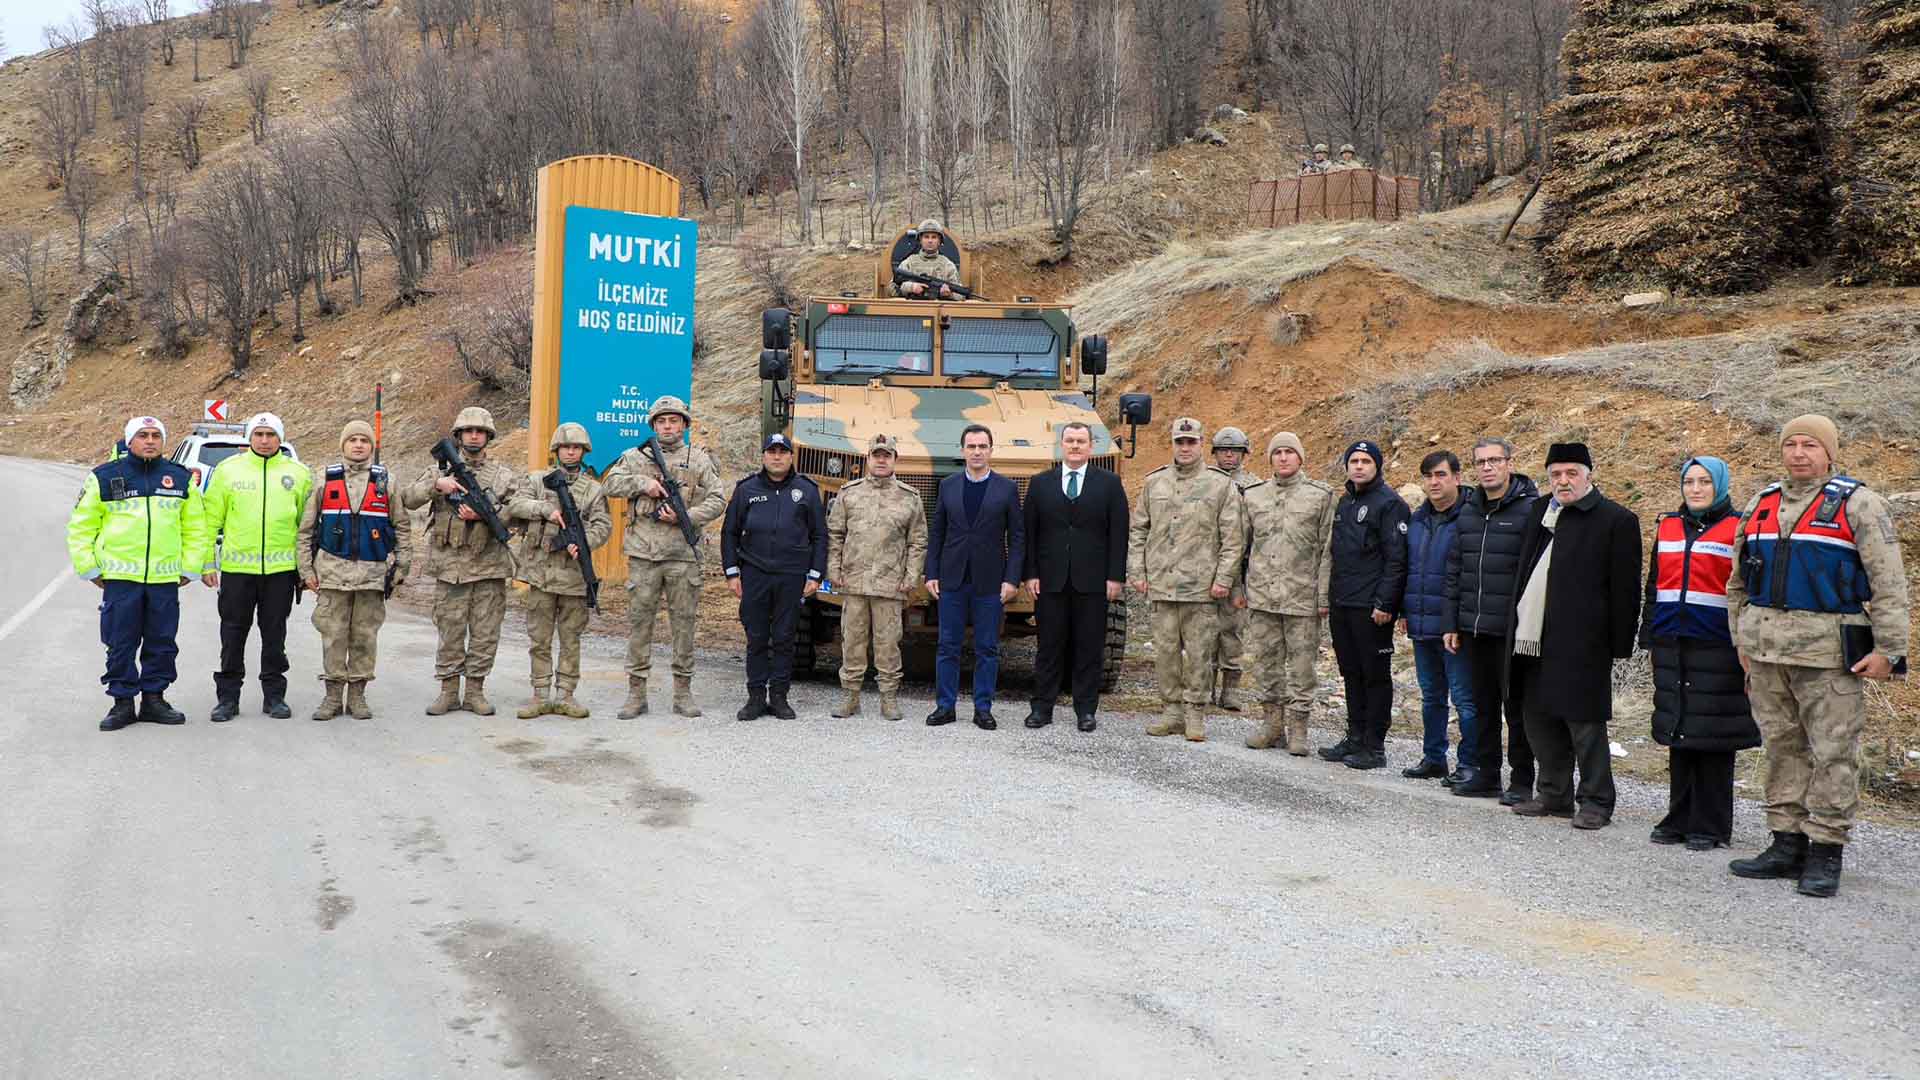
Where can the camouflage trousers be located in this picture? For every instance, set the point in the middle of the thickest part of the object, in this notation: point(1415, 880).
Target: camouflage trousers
point(349, 624)
point(1233, 627)
point(1185, 637)
point(468, 616)
point(647, 579)
point(1285, 648)
point(875, 619)
point(548, 614)
point(1810, 720)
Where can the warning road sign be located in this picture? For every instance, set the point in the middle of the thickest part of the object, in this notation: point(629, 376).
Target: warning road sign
point(216, 410)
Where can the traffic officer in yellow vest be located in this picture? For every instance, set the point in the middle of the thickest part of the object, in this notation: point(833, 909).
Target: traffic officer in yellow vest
point(1230, 447)
point(137, 533)
point(1289, 561)
point(1817, 602)
point(352, 535)
point(1186, 537)
point(876, 547)
point(659, 559)
point(470, 566)
point(557, 591)
point(254, 503)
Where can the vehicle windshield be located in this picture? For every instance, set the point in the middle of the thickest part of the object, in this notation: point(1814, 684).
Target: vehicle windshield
point(998, 348)
point(212, 454)
point(873, 345)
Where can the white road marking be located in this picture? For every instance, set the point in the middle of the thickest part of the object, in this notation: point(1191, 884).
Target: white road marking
point(20, 617)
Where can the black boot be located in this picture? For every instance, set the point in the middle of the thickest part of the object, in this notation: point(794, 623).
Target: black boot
point(1339, 750)
point(275, 705)
point(777, 705)
point(119, 716)
point(1785, 857)
point(756, 706)
point(155, 710)
point(1822, 875)
point(224, 709)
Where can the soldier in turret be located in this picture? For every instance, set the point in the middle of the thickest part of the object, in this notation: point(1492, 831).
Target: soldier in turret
point(928, 262)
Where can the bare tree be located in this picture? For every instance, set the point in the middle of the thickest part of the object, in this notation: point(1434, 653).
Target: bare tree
point(187, 114)
point(57, 106)
point(165, 30)
point(25, 258)
point(230, 237)
point(793, 91)
point(259, 94)
point(299, 195)
point(235, 21)
point(80, 195)
point(1077, 104)
point(1016, 30)
point(1178, 39)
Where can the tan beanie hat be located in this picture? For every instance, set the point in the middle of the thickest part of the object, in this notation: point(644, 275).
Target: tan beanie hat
point(1287, 439)
point(355, 427)
point(1819, 429)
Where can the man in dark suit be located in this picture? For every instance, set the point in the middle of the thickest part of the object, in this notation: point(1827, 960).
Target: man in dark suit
point(974, 555)
point(1076, 523)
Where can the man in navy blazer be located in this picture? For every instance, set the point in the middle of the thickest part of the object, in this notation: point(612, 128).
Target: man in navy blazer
point(975, 550)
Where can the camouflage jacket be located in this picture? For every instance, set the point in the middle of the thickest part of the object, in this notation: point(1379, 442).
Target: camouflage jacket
point(1187, 534)
point(462, 551)
point(555, 571)
point(1289, 529)
point(876, 538)
point(1812, 638)
point(647, 537)
point(934, 266)
point(352, 575)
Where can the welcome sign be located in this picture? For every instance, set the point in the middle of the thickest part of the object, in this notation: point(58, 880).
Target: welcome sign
point(626, 323)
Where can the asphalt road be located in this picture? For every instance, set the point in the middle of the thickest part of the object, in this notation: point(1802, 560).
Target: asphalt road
point(415, 896)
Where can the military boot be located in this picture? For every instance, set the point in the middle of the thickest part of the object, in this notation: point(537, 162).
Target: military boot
point(777, 704)
point(849, 707)
point(1297, 732)
point(536, 707)
point(155, 710)
point(563, 704)
point(475, 700)
point(448, 700)
point(1822, 874)
point(1170, 720)
point(1196, 722)
point(636, 703)
point(330, 704)
point(1230, 698)
point(119, 716)
point(1338, 751)
point(357, 706)
point(1785, 857)
point(889, 705)
point(1270, 732)
point(225, 709)
point(683, 696)
point(756, 706)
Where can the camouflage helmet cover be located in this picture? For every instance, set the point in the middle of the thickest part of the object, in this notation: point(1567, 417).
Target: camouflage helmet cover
point(1187, 428)
point(666, 405)
point(570, 434)
point(931, 226)
point(1231, 438)
point(473, 416)
point(1319, 148)
point(1346, 148)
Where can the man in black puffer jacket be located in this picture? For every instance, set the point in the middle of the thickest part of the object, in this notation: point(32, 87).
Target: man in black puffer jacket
point(1493, 518)
point(1368, 580)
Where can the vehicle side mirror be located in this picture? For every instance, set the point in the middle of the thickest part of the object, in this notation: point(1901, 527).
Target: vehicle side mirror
point(1136, 409)
point(775, 364)
point(776, 328)
point(1093, 354)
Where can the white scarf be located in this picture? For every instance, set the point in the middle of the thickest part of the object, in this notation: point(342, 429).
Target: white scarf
point(1531, 617)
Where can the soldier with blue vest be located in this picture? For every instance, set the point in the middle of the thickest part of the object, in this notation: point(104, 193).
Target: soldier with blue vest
point(254, 503)
point(1817, 602)
point(351, 532)
point(137, 533)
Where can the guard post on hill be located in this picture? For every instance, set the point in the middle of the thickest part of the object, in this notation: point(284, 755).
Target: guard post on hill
point(612, 310)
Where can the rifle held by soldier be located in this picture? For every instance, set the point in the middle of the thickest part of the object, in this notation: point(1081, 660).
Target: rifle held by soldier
point(674, 499)
point(573, 533)
point(473, 497)
point(934, 284)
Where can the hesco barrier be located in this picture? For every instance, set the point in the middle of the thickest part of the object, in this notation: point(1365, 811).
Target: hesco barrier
point(1348, 195)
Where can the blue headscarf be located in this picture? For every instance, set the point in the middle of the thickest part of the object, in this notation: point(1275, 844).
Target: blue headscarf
point(1716, 469)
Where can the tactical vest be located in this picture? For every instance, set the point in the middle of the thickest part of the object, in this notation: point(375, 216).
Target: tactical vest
point(1815, 565)
point(1690, 578)
point(364, 535)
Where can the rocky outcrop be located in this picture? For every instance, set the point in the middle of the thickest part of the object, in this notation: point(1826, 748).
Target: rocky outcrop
point(39, 370)
point(100, 316)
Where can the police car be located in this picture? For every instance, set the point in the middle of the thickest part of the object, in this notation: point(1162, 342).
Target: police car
point(210, 444)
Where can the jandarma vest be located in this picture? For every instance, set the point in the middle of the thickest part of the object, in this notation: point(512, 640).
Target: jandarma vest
point(361, 536)
point(1815, 565)
point(1690, 588)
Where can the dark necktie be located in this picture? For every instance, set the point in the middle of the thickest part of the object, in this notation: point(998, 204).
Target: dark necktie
point(1073, 485)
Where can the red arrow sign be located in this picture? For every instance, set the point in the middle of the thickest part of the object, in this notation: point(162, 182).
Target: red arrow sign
point(216, 410)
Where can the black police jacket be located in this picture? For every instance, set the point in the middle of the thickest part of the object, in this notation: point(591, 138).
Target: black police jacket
point(1369, 549)
point(776, 527)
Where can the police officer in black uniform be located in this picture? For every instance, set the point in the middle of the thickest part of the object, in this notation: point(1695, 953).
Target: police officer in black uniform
point(774, 549)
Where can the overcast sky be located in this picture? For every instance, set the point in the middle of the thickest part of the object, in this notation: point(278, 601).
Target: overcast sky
point(21, 21)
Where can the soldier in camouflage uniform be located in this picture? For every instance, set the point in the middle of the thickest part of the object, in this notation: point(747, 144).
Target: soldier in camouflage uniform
point(1816, 561)
point(927, 262)
point(1290, 529)
point(344, 562)
point(876, 545)
point(1185, 542)
point(1230, 448)
point(557, 593)
point(1319, 164)
point(1347, 160)
point(659, 560)
point(470, 567)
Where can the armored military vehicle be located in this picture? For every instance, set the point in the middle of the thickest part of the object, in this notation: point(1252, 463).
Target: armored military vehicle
point(845, 367)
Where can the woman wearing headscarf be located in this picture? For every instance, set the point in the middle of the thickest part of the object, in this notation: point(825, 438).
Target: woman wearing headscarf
point(1700, 709)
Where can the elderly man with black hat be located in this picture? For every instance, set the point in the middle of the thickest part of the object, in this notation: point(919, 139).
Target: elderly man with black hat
point(1365, 587)
point(773, 547)
point(1577, 607)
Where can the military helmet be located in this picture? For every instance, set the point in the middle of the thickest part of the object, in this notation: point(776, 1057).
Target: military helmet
point(667, 405)
point(930, 226)
point(1187, 428)
point(1231, 438)
point(570, 434)
point(1346, 148)
point(473, 416)
point(1319, 148)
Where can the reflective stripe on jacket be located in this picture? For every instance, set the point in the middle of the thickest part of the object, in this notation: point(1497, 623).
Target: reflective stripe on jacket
point(138, 521)
point(1815, 566)
point(1691, 568)
point(253, 506)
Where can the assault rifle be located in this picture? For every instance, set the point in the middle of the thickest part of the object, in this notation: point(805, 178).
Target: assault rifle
point(674, 498)
point(573, 531)
point(933, 285)
point(474, 498)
